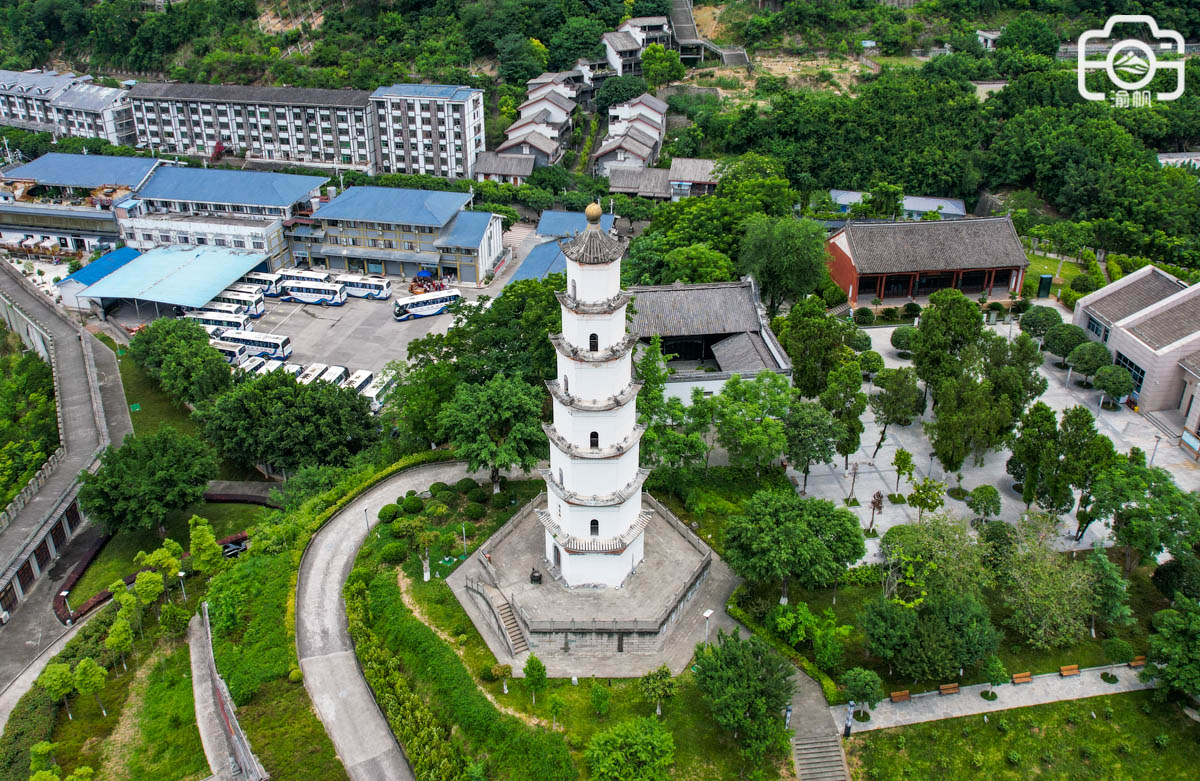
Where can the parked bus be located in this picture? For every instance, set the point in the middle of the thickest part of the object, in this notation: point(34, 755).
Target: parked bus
point(232, 353)
point(213, 331)
point(293, 369)
point(228, 322)
point(266, 281)
point(222, 307)
point(275, 346)
point(303, 275)
point(365, 287)
point(251, 365)
point(321, 293)
point(256, 305)
point(334, 375)
point(359, 380)
point(312, 373)
point(425, 305)
point(271, 366)
point(376, 393)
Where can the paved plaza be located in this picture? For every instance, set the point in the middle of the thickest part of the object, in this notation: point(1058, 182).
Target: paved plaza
point(1124, 427)
point(1051, 687)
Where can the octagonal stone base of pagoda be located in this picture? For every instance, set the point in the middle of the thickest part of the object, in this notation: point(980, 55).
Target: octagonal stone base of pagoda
point(655, 617)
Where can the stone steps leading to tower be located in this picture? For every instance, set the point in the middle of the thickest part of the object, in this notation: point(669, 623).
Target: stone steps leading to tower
point(820, 758)
point(512, 628)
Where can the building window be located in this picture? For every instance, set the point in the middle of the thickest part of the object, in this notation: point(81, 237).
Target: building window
point(1139, 374)
point(595, 528)
point(594, 440)
point(593, 342)
point(1096, 327)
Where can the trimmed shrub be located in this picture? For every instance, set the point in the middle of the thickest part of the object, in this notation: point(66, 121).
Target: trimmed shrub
point(465, 485)
point(388, 513)
point(438, 487)
point(912, 309)
point(864, 316)
point(859, 341)
point(499, 501)
point(996, 306)
point(1084, 283)
point(1117, 651)
point(479, 495)
point(1021, 306)
point(406, 528)
point(413, 504)
point(394, 553)
point(833, 295)
point(474, 511)
point(890, 313)
point(904, 338)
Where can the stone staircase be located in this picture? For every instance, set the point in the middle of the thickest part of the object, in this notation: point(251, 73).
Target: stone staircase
point(511, 628)
point(517, 234)
point(820, 758)
point(683, 27)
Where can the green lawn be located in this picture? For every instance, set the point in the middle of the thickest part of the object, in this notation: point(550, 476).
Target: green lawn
point(286, 735)
point(156, 410)
point(168, 745)
point(116, 558)
point(1040, 264)
point(702, 750)
point(899, 62)
point(1112, 737)
point(720, 496)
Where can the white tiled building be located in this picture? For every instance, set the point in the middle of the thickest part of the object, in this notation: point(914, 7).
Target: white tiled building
point(66, 105)
point(428, 129)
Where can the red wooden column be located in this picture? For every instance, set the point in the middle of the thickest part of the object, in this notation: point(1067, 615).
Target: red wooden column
point(991, 281)
point(912, 285)
point(879, 286)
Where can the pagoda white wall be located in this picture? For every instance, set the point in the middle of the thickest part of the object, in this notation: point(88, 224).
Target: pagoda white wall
point(594, 476)
point(609, 328)
point(576, 519)
point(612, 425)
point(594, 282)
point(595, 381)
point(598, 569)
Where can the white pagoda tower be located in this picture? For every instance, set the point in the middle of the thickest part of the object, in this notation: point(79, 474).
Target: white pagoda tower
point(594, 520)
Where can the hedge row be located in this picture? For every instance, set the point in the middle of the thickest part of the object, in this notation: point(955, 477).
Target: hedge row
point(513, 749)
point(425, 738)
point(833, 695)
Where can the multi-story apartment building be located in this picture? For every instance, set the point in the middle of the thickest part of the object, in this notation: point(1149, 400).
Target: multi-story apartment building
point(316, 127)
point(221, 208)
point(400, 232)
point(427, 129)
point(66, 105)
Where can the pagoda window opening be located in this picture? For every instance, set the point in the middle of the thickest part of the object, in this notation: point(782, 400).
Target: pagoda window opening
point(593, 342)
point(595, 440)
point(595, 528)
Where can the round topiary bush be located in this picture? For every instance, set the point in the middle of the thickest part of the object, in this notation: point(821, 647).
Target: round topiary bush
point(469, 529)
point(438, 488)
point(295, 675)
point(499, 501)
point(436, 509)
point(411, 492)
point(474, 511)
point(413, 504)
point(859, 341)
point(864, 316)
point(388, 513)
point(406, 528)
point(912, 309)
point(394, 553)
point(479, 495)
point(1117, 651)
point(465, 485)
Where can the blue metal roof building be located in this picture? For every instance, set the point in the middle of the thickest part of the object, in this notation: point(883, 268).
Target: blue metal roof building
point(393, 205)
point(180, 275)
point(216, 185)
point(465, 230)
point(542, 260)
point(56, 169)
point(101, 267)
point(563, 224)
point(432, 91)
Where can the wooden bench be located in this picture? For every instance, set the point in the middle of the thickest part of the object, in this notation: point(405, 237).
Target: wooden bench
point(1022, 678)
point(901, 696)
point(1138, 661)
point(948, 688)
point(1066, 671)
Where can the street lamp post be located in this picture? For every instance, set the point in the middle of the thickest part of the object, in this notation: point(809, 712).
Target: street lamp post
point(367, 521)
point(65, 595)
point(1153, 453)
point(182, 587)
point(707, 615)
point(931, 455)
point(849, 718)
point(464, 531)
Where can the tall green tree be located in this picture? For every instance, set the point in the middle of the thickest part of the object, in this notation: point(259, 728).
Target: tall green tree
point(495, 426)
point(1089, 358)
point(696, 264)
point(668, 440)
point(785, 256)
point(1035, 452)
point(1110, 591)
point(746, 685)
point(1029, 31)
point(750, 416)
point(658, 685)
point(535, 676)
point(1048, 596)
point(1175, 647)
point(138, 484)
point(950, 324)
point(812, 437)
point(1061, 339)
point(161, 338)
point(970, 421)
point(1039, 320)
point(863, 687)
point(119, 639)
point(273, 421)
point(815, 342)
point(194, 373)
point(899, 401)
point(844, 399)
point(1146, 510)
point(58, 682)
point(661, 65)
point(90, 678)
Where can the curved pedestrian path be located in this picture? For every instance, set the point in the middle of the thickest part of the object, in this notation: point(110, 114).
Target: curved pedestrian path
point(343, 701)
point(1047, 688)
